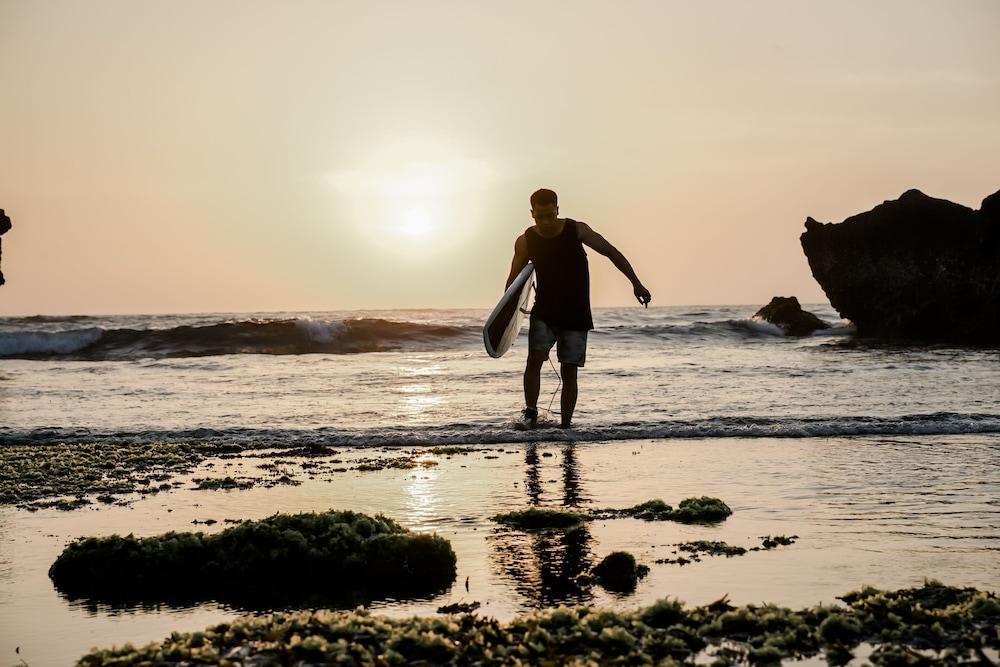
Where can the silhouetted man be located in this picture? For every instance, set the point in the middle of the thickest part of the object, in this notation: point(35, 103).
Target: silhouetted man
point(561, 314)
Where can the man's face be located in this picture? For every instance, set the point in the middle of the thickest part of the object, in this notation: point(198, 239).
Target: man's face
point(545, 215)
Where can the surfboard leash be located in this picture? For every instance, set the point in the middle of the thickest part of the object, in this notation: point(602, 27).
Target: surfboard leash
point(558, 385)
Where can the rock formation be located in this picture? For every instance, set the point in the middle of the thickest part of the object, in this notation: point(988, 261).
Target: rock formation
point(915, 268)
point(788, 314)
point(4, 228)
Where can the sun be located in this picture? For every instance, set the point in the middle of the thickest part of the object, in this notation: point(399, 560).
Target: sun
point(416, 223)
point(412, 198)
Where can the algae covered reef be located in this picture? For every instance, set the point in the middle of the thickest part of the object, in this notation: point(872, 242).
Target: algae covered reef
point(932, 624)
point(29, 473)
point(695, 550)
point(541, 518)
point(290, 557)
point(689, 510)
point(72, 475)
point(703, 509)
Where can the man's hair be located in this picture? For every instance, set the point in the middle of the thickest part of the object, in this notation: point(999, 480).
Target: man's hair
point(544, 197)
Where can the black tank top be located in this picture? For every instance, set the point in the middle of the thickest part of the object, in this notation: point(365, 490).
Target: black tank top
point(562, 296)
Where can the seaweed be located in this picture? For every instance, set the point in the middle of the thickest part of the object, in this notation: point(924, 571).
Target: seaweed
point(30, 473)
point(690, 510)
point(698, 548)
point(217, 483)
point(541, 518)
point(701, 510)
point(932, 624)
point(459, 608)
point(768, 542)
point(286, 557)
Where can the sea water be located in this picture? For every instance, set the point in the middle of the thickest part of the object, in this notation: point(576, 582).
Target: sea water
point(422, 377)
point(884, 459)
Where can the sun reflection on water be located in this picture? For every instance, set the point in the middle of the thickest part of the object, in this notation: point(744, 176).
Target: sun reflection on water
point(421, 495)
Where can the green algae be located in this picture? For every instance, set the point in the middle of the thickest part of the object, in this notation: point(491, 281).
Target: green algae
point(541, 518)
point(933, 624)
point(619, 572)
point(31, 473)
point(690, 510)
point(704, 509)
point(291, 556)
point(693, 551)
point(769, 542)
point(217, 483)
point(701, 510)
point(459, 608)
point(698, 548)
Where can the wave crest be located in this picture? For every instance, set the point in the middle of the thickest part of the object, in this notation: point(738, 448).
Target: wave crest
point(288, 336)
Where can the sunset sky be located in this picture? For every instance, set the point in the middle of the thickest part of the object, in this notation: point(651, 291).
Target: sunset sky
point(261, 156)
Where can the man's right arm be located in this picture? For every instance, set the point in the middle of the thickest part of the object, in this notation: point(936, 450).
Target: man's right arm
point(520, 259)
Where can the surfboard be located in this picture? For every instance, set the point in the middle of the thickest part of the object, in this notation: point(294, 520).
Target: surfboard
point(504, 323)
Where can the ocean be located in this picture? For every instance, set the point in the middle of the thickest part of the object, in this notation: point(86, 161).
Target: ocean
point(881, 459)
point(421, 377)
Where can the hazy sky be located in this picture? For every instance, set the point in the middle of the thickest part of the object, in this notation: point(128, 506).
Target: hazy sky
point(248, 156)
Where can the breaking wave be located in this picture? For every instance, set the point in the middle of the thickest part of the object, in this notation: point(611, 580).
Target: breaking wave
point(287, 336)
point(124, 338)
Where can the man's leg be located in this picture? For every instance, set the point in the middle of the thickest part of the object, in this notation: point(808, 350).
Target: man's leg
point(572, 352)
point(533, 377)
point(568, 400)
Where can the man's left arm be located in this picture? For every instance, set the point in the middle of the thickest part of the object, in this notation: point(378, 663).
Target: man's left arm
point(592, 239)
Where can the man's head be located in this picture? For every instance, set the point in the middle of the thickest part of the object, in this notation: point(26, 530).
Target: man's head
point(544, 206)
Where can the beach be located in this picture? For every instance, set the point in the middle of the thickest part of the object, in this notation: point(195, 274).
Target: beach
point(880, 461)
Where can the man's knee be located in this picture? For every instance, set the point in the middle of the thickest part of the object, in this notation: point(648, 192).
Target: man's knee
point(535, 360)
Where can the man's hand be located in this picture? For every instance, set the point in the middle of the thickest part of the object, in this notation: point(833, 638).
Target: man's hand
point(643, 295)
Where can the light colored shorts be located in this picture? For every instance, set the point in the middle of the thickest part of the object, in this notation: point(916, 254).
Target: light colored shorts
point(571, 346)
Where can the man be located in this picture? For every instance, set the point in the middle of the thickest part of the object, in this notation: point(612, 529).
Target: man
point(561, 314)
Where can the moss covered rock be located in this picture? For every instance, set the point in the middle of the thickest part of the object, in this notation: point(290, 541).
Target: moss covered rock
point(946, 625)
point(286, 556)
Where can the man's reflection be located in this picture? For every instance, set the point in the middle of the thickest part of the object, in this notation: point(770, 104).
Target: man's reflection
point(544, 564)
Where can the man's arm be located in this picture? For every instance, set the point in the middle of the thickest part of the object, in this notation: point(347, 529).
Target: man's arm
point(594, 240)
point(520, 259)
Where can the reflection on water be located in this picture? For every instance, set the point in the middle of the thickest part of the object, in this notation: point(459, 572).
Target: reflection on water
point(543, 566)
point(421, 500)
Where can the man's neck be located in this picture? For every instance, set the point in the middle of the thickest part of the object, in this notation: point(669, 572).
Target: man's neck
point(551, 231)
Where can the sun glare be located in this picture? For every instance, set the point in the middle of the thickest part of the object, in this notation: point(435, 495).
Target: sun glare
point(414, 191)
point(416, 223)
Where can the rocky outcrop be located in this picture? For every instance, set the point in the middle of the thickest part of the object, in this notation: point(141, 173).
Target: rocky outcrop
point(4, 228)
point(786, 312)
point(914, 268)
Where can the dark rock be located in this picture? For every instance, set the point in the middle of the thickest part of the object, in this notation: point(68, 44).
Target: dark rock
point(786, 312)
point(914, 268)
point(5, 226)
point(619, 572)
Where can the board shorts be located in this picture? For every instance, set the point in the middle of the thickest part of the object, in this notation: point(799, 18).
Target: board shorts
point(571, 346)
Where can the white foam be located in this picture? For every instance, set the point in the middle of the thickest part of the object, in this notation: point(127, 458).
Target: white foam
point(472, 434)
point(762, 326)
point(43, 342)
point(320, 332)
point(841, 328)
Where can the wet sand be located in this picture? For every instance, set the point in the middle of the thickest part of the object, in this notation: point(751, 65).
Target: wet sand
point(880, 511)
